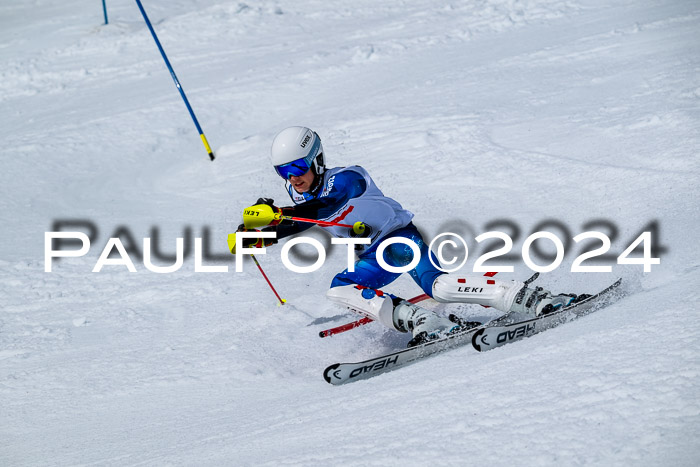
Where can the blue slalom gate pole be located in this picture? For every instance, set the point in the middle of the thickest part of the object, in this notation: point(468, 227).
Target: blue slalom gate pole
point(104, 9)
point(177, 83)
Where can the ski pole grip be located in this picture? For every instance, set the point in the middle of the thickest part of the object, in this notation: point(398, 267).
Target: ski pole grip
point(259, 215)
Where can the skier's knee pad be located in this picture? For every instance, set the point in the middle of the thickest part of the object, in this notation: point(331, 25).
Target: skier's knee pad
point(364, 301)
point(479, 290)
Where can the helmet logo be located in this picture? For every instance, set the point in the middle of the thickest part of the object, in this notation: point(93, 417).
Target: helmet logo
point(306, 141)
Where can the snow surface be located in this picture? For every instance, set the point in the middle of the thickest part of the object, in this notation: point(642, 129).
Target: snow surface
point(465, 112)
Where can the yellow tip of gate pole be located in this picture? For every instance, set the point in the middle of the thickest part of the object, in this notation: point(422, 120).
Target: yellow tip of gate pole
point(206, 146)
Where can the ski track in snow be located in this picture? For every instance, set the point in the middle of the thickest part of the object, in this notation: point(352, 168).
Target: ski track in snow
point(464, 112)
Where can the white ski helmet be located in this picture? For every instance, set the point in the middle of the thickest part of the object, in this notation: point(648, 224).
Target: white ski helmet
point(295, 150)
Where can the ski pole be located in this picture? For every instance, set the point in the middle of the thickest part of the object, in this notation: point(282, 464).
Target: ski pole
point(177, 82)
point(345, 327)
point(104, 10)
point(357, 227)
point(262, 214)
point(281, 300)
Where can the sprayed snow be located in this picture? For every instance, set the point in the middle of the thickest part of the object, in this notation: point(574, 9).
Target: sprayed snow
point(466, 112)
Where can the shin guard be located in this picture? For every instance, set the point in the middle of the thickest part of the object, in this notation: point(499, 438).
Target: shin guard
point(368, 302)
point(479, 290)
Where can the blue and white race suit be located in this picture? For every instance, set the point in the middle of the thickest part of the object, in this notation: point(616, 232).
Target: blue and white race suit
point(348, 195)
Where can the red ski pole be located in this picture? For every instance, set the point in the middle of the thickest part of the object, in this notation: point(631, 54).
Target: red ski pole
point(281, 300)
point(262, 214)
point(345, 327)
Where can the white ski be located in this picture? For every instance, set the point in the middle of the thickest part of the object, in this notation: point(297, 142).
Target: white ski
point(498, 332)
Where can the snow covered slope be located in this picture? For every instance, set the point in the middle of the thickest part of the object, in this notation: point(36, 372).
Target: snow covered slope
point(468, 113)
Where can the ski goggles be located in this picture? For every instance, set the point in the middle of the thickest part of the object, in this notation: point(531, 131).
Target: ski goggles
point(300, 166)
point(296, 168)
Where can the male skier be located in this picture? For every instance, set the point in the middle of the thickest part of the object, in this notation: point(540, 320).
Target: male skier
point(349, 195)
